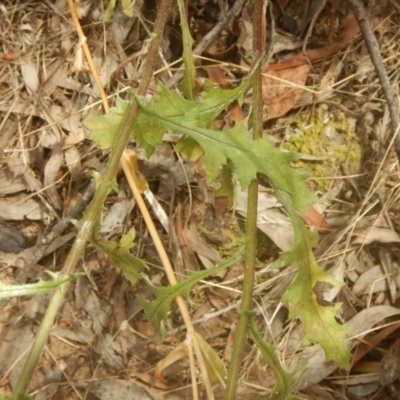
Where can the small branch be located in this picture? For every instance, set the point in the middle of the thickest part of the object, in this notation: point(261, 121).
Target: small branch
point(360, 13)
point(63, 224)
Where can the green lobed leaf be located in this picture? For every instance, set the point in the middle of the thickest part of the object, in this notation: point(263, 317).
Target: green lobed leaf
point(157, 309)
point(226, 184)
point(105, 128)
point(150, 125)
point(169, 111)
point(120, 255)
point(307, 302)
point(190, 148)
point(172, 112)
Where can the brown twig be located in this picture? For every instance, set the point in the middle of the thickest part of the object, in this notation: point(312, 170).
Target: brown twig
point(63, 224)
point(360, 13)
point(314, 11)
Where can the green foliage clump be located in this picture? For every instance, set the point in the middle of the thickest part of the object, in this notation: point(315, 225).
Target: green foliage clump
point(169, 111)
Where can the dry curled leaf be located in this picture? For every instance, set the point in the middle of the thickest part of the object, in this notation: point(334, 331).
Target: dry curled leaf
point(389, 368)
point(30, 76)
point(375, 234)
point(349, 31)
point(282, 89)
point(19, 207)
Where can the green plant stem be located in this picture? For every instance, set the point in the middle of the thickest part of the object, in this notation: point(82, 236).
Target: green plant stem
point(95, 207)
point(187, 56)
point(246, 303)
point(251, 224)
point(40, 341)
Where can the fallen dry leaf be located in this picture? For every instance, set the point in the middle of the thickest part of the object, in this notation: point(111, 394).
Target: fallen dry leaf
point(375, 234)
point(270, 220)
point(12, 350)
point(117, 214)
point(150, 379)
point(11, 183)
point(349, 31)
point(106, 389)
point(371, 281)
point(318, 392)
point(282, 89)
point(30, 76)
point(179, 353)
point(389, 368)
point(73, 163)
point(373, 341)
point(207, 253)
point(314, 218)
point(18, 208)
point(51, 169)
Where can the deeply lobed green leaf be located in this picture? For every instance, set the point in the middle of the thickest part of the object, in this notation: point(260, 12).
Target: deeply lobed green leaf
point(120, 255)
point(157, 309)
point(303, 299)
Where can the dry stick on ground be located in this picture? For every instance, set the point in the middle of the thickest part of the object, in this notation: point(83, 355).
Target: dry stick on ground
point(314, 10)
point(360, 13)
point(63, 224)
point(209, 38)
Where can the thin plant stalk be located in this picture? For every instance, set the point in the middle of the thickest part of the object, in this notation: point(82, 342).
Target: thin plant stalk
point(187, 56)
point(251, 224)
point(95, 207)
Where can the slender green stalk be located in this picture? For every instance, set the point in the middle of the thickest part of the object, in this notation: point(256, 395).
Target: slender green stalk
point(40, 341)
point(251, 224)
point(95, 208)
point(187, 56)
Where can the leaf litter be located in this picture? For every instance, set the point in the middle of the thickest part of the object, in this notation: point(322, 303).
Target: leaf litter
point(47, 163)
